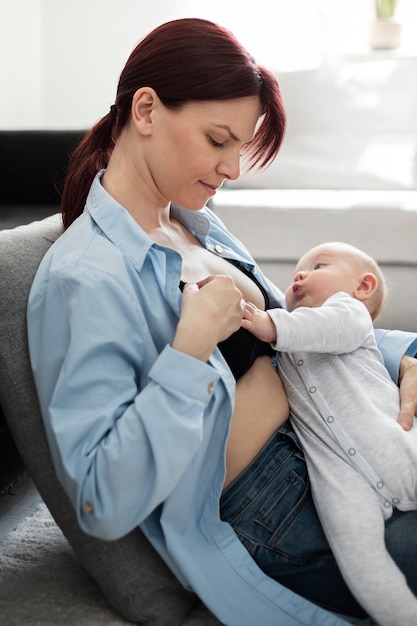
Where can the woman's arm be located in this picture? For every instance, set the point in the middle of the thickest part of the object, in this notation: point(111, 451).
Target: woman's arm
point(399, 349)
point(408, 391)
point(123, 410)
point(394, 344)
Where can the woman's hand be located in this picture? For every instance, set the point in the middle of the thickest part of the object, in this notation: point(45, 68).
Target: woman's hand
point(408, 392)
point(211, 311)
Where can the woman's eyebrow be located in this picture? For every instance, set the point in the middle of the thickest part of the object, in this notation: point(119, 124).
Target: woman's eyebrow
point(229, 130)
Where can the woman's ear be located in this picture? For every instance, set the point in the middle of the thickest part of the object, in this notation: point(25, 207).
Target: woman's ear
point(143, 104)
point(367, 285)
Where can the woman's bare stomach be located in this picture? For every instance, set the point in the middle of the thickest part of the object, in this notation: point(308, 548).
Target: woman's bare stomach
point(261, 407)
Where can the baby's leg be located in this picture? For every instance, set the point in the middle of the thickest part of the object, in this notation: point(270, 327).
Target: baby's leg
point(352, 520)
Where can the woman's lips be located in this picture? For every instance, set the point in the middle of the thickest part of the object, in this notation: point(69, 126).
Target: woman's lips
point(211, 189)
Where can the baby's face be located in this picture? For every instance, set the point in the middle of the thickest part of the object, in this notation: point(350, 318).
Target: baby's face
point(319, 274)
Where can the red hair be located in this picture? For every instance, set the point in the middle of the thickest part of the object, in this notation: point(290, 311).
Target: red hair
point(182, 60)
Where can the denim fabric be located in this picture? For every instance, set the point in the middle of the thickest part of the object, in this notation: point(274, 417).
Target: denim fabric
point(271, 510)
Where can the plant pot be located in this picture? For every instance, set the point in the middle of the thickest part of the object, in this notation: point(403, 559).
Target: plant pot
point(385, 34)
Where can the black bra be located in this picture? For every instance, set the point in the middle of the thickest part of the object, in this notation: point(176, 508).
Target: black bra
point(241, 349)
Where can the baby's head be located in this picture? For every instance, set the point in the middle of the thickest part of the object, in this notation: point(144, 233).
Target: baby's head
point(336, 266)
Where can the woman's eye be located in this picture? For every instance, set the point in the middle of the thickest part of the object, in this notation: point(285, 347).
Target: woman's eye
point(216, 144)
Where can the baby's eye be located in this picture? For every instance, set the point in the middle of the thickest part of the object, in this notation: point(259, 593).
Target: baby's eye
point(215, 143)
point(318, 266)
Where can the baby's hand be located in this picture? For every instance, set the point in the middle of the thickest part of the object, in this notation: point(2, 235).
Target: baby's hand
point(259, 323)
point(250, 313)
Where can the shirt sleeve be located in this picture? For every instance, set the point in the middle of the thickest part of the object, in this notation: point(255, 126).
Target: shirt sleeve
point(394, 344)
point(342, 324)
point(123, 419)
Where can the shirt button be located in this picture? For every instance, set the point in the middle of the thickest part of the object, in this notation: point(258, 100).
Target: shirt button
point(88, 508)
point(380, 484)
point(330, 419)
point(352, 451)
point(387, 504)
point(210, 388)
point(300, 362)
point(396, 501)
point(218, 248)
point(313, 389)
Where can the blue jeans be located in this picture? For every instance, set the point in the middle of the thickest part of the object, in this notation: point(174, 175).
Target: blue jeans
point(271, 510)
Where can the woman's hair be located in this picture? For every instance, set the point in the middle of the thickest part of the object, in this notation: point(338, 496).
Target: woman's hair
point(182, 60)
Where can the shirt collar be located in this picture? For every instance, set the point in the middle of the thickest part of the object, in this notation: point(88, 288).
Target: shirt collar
point(118, 225)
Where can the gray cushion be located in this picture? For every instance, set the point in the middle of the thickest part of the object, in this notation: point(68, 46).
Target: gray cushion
point(130, 573)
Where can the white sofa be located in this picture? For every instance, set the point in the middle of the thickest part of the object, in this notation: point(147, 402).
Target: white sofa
point(347, 171)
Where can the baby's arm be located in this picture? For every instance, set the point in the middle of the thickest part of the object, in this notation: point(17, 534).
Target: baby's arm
point(259, 323)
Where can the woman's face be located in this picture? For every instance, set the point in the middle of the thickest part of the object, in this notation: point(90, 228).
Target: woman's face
point(195, 148)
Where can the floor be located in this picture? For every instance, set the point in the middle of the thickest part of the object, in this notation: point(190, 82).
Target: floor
point(21, 500)
point(42, 583)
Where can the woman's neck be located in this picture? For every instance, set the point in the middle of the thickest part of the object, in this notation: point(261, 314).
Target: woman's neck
point(131, 185)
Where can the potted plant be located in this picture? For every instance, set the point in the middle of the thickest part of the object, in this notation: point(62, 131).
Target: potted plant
point(385, 32)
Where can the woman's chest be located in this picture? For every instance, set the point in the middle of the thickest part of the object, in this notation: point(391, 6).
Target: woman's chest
point(198, 263)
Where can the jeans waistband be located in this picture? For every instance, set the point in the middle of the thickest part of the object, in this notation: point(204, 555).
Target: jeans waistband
point(283, 444)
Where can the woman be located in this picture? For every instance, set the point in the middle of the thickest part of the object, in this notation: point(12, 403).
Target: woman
point(159, 410)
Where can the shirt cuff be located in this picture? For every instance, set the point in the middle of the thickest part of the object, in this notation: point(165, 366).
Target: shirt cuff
point(183, 374)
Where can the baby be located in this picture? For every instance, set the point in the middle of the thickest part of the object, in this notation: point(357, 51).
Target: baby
point(344, 407)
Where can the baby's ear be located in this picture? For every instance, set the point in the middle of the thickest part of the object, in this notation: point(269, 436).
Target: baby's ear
point(367, 284)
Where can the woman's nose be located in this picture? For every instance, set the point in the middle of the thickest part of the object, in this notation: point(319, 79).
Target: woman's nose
point(230, 168)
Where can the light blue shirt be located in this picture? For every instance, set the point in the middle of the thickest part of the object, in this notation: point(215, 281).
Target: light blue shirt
point(137, 429)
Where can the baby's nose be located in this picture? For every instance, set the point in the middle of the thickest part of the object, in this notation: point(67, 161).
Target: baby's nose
point(299, 275)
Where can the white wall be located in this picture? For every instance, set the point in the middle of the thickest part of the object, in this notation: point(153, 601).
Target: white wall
point(21, 69)
point(63, 58)
point(60, 59)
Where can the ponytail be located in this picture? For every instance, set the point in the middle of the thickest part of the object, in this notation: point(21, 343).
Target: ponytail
point(89, 157)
